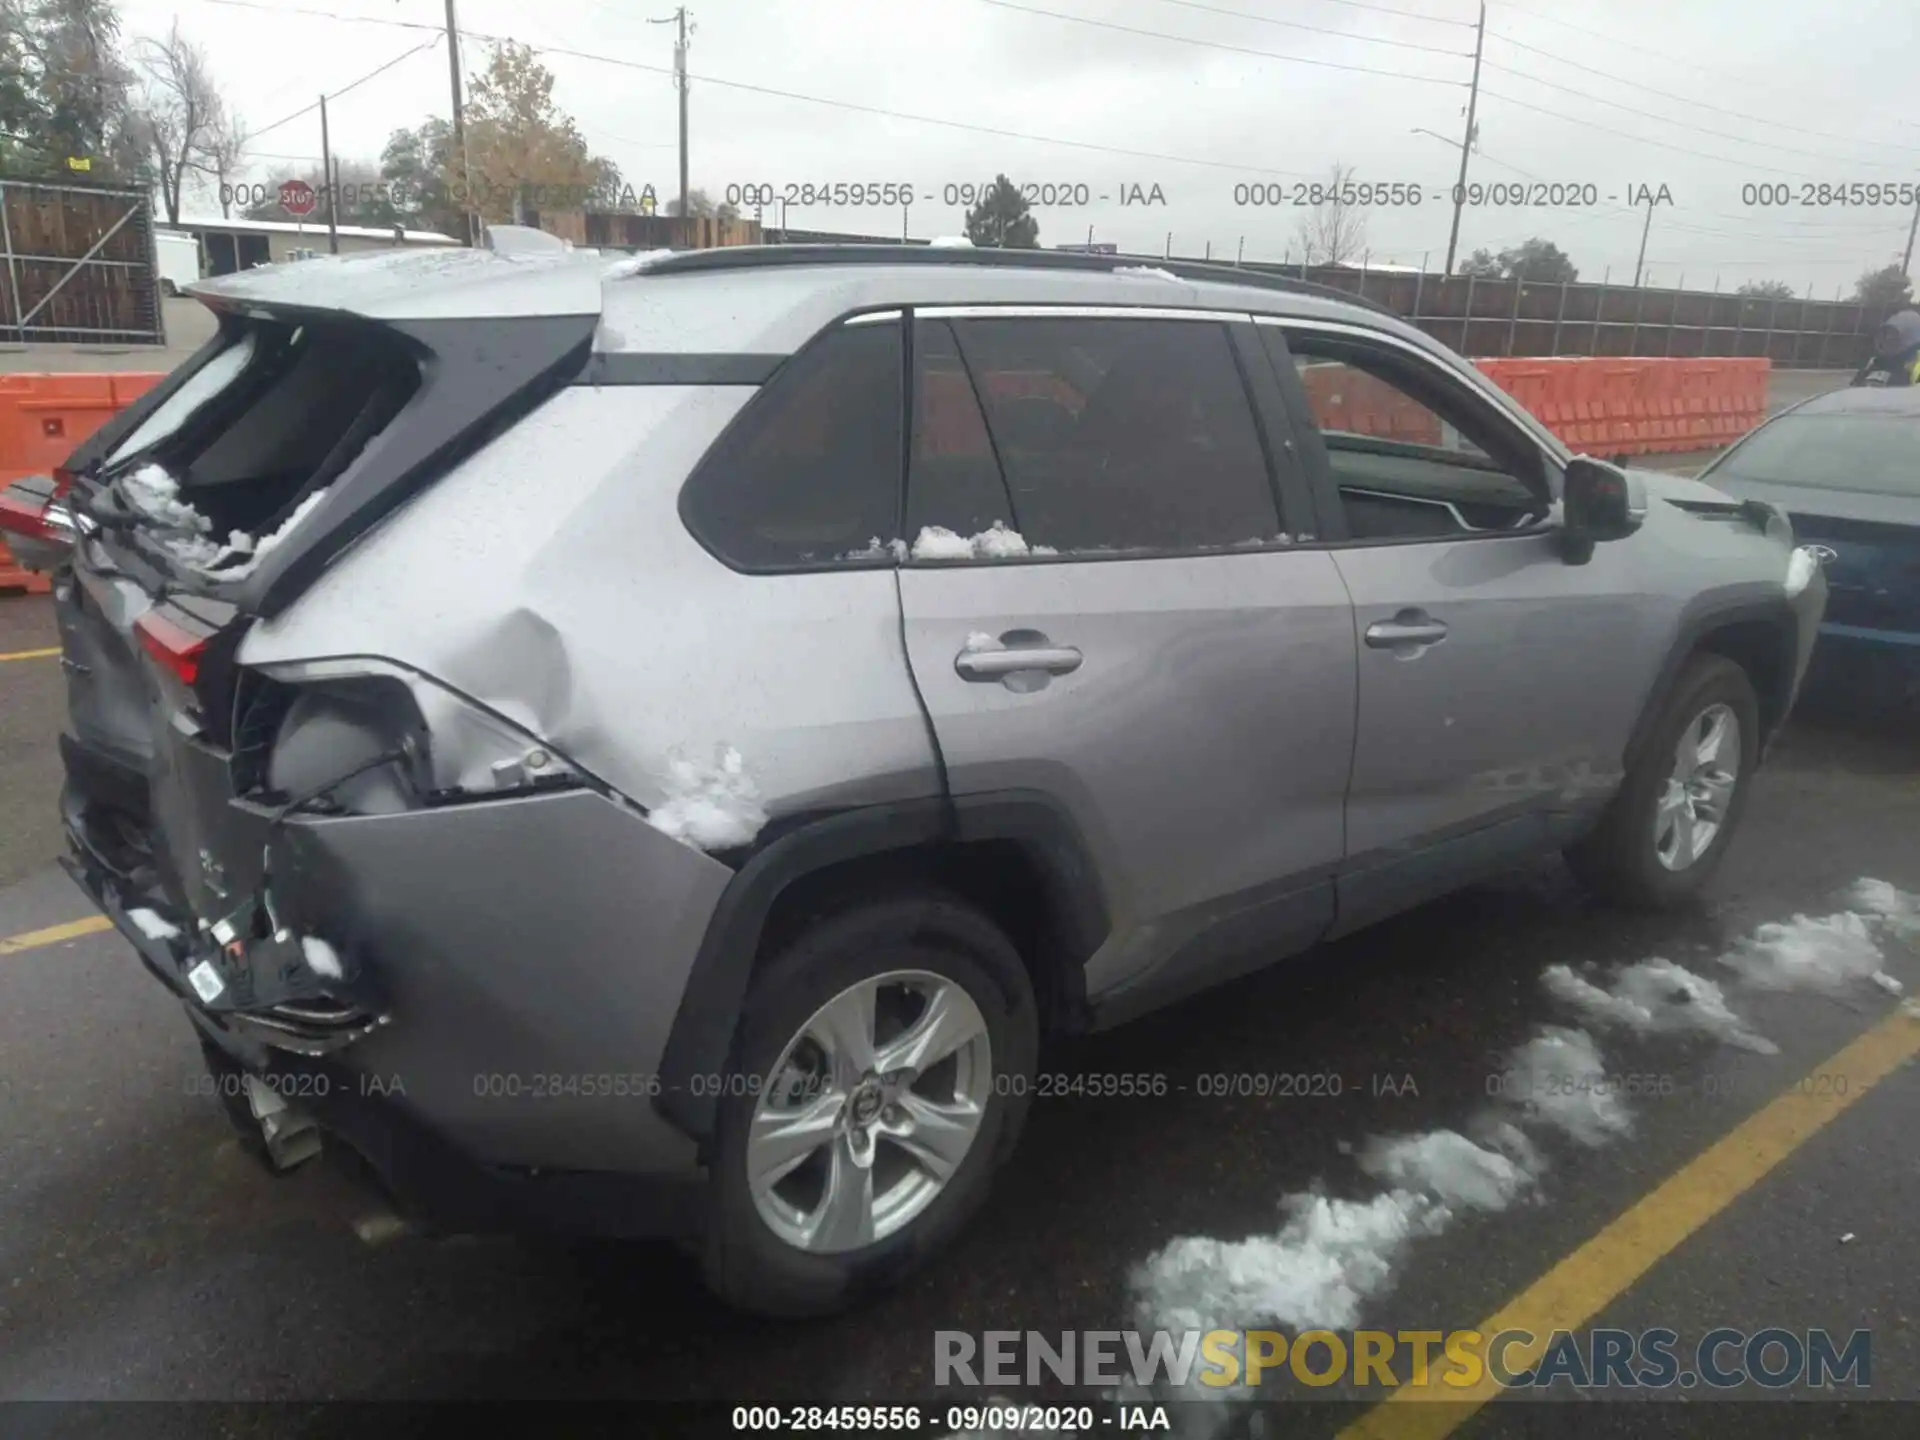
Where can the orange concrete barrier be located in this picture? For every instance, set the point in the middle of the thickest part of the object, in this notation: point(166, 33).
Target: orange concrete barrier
point(42, 419)
point(1353, 401)
point(1639, 405)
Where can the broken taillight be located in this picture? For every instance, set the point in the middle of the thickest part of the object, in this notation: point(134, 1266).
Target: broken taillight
point(31, 514)
point(178, 649)
point(25, 516)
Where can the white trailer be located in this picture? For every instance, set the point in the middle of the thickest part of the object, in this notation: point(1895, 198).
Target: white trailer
point(179, 259)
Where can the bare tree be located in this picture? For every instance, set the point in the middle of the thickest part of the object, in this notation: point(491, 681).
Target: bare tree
point(178, 113)
point(225, 149)
point(1334, 231)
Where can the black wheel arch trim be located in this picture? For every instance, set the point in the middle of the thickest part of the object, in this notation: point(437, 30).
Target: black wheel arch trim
point(706, 1024)
point(1697, 623)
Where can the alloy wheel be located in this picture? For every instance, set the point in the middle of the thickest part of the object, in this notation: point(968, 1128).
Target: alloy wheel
point(1693, 802)
point(869, 1111)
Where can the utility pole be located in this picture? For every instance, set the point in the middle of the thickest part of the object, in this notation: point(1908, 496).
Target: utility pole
point(1473, 104)
point(326, 179)
point(459, 122)
point(1643, 245)
point(1906, 261)
point(680, 71)
point(679, 19)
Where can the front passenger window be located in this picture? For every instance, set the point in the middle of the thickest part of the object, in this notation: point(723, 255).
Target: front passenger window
point(1409, 456)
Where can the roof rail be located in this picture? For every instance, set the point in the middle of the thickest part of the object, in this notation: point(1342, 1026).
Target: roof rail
point(759, 257)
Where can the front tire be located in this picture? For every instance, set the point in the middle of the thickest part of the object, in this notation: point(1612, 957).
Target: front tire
point(886, 1055)
point(1666, 831)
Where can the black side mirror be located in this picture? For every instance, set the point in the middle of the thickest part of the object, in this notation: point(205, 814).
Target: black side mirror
point(1600, 502)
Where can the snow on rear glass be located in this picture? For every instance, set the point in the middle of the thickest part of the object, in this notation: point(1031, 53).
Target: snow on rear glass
point(205, 383)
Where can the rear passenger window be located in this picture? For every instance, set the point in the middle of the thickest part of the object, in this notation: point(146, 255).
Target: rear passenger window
point(809, 475)
point(1085, 435)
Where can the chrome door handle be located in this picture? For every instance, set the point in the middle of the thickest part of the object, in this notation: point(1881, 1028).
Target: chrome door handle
point(1391, 634)
point(998, 664)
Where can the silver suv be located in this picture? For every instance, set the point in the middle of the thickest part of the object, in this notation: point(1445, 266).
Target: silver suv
point(657, 748)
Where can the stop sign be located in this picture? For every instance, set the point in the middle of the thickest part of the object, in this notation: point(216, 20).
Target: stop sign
point(297, 198)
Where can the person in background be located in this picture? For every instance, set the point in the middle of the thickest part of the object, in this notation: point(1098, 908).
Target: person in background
point(1896, 352)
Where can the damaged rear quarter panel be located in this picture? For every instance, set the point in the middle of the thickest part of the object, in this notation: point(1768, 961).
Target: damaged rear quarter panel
point(531, 952)
point(550, 578)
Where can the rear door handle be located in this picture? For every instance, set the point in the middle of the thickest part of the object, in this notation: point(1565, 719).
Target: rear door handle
point(998, 664)
point(1409, 627)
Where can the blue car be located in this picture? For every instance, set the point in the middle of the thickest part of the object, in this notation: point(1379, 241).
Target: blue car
point(1846, 467)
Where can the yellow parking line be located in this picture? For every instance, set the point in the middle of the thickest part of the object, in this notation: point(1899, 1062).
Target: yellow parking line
point(1574, 1291)
point(32, 654)
point(54, 934)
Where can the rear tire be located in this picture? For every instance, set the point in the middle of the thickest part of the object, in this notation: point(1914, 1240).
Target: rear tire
point(783, 1247)
point(1667, 829)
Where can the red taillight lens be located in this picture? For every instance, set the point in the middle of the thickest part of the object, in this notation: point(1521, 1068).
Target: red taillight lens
point(22, 516)
point(173, 645)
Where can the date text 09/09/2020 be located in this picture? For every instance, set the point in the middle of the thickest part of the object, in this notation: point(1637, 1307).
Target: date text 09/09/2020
point(892, 194)
point(1047, 1085)
point(1379, 194)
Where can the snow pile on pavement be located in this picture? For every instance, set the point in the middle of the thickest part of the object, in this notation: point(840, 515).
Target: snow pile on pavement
point(1332, 1255)
point(1657, 997)
point(936, 542)
point(1558, 1079)
point(1826, 954)
point(1883, 902)
point(631, 265)
point(1448, 1166)
point(950, 242)
point(710, 806)
point(156, 494)
point(1327, 1257)
point(1146, 272)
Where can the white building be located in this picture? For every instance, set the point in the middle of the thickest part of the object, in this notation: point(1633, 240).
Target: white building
point(230, 245)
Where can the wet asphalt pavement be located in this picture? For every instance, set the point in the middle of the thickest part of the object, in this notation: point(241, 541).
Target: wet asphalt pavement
point(143, 1255)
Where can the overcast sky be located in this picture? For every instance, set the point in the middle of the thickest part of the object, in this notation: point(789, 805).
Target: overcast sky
point(1701, 96)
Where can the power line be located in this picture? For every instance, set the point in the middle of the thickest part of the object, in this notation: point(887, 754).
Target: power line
point(1628, 135)
point(1221, 45)
point(335, 95)
point(907, 115)
point(1666, 55)
point(769, 90)
point(1696, 129)
point(1314, 29)
point(1687, 100)
point(1403, 14)
point(328, 15)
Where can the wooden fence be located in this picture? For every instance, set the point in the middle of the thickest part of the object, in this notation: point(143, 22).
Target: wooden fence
point(77, 265)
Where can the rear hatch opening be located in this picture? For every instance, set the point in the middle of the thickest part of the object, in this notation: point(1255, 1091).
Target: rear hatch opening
point(216, 476)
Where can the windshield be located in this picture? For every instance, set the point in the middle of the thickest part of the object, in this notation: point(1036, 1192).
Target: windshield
point(1876, 454)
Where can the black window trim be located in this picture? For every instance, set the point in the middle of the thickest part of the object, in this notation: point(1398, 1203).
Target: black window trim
point(1287, 487)
point(1333, 526)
